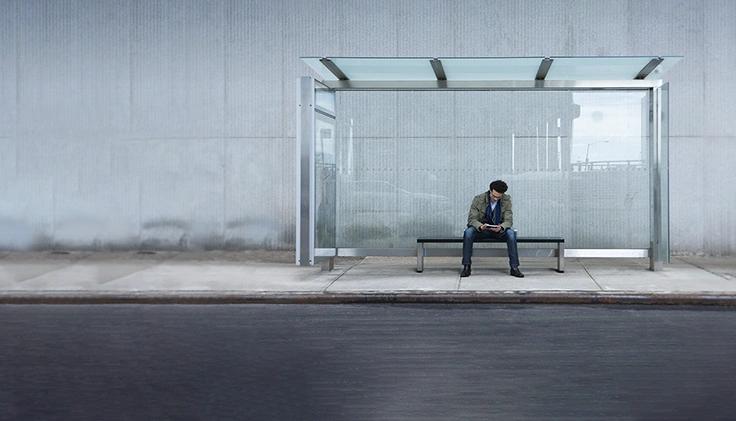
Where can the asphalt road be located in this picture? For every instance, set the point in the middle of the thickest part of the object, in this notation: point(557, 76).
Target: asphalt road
point(367, 362)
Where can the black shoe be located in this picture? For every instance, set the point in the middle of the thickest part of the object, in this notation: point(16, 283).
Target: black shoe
point(465, 272)
point(516, 272)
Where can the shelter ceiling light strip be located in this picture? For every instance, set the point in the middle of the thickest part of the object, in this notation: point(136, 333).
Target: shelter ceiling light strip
point(331, 66)
point(649, 68)
point(544, 68)
point(439, 71)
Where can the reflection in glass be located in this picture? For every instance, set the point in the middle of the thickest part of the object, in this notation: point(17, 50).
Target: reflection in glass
point(325, 182)
point(324, 99)
point(608, 133)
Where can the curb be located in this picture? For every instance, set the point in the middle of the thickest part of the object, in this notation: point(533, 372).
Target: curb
point(513, 297)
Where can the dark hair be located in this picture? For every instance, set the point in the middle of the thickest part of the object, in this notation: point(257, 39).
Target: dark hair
point(499, 186)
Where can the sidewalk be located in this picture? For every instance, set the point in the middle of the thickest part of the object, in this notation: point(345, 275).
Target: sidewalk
point(272, 277)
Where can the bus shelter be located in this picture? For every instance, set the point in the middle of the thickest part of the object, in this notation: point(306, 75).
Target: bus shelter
point(391, 149)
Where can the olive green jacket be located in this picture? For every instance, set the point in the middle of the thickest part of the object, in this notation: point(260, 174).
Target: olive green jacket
point(477, 213)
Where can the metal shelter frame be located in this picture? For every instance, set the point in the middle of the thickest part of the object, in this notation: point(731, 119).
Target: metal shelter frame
point(479, 74)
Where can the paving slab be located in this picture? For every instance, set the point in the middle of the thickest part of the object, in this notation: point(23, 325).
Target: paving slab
point(724, 266)
point(21, 267)
point(393, 274)
point(89, 273)
point(13, 273)
point(677, 276)
point(538, 276)
point(215, 276)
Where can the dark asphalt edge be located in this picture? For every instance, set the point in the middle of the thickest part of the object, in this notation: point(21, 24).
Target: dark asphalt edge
point(374, 298)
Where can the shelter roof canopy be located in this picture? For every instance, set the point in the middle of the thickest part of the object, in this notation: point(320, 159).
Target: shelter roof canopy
point(491, 68)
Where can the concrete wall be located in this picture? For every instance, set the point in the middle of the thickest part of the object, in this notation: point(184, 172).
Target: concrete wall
point(171, 124)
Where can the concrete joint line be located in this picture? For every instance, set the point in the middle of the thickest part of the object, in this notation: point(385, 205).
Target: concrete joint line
point(592, 278)
point(324, 290)
point(702, 268)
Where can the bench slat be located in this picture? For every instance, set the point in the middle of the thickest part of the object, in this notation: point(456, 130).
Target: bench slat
point(490, 240)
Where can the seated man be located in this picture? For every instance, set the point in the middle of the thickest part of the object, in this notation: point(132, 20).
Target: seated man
point(491, 216)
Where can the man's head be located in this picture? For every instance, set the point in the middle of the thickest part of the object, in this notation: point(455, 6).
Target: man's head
point(497, 189)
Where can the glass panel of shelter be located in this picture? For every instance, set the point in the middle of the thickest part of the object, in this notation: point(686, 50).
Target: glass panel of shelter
point(576, 164)
point(324, 172)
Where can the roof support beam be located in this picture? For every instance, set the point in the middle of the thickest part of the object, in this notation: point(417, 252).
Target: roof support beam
point(331, 66)
point(439, 71)
point(649, 68)
point(544, 68)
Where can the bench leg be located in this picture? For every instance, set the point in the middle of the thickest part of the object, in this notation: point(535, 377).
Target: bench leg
point(420, 257)
point(328, 264)
point(561, 257)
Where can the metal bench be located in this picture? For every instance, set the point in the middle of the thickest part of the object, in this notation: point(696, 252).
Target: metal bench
point(558, 251)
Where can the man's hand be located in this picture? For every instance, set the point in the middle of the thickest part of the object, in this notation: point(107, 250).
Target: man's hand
point(494, 228)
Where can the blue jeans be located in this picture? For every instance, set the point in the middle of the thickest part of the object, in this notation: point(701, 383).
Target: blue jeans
point(509, 235)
